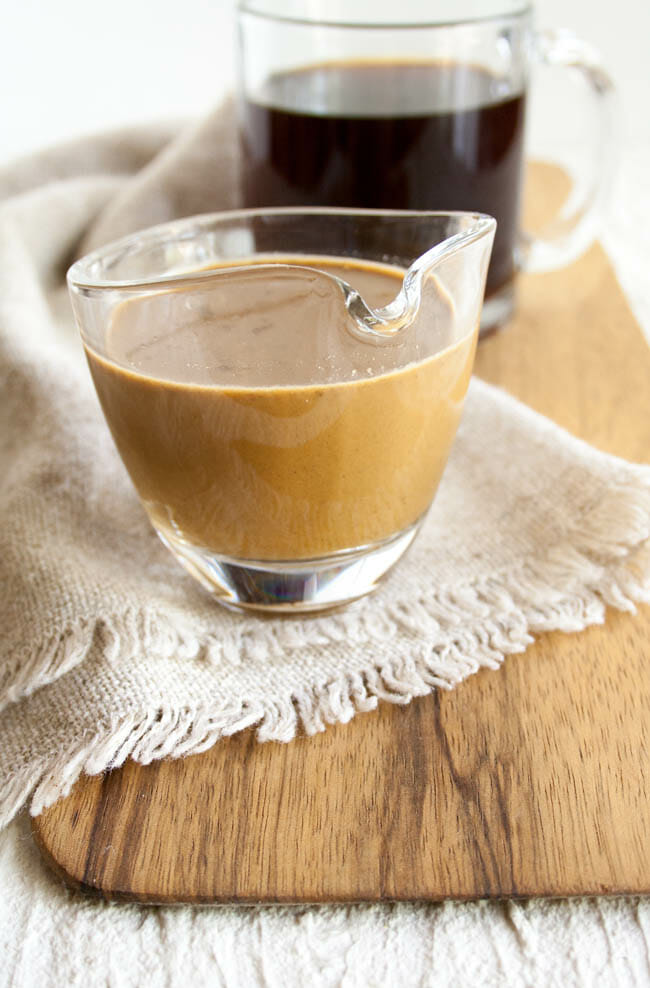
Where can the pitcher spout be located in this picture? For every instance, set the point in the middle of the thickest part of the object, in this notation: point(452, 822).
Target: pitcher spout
point(466, 251)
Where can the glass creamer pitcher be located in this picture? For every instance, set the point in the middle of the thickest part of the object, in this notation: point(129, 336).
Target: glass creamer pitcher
point(284, 386)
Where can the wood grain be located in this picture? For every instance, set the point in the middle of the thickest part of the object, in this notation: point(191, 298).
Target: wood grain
point(529, 781)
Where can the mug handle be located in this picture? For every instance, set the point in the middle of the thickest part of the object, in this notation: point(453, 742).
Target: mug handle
point(570, 233)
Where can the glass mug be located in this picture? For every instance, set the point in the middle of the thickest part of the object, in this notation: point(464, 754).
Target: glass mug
point(339, 105)
point(284, 387)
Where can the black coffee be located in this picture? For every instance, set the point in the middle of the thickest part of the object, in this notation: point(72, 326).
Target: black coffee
point(397, 136)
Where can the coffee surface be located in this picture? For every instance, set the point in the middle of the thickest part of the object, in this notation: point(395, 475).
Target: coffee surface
point(412, 135)
point(255, 425)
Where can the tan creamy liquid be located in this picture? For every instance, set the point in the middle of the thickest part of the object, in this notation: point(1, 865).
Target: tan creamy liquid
point(211, 400)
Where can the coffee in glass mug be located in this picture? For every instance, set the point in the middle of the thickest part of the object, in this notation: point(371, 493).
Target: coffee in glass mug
point(373, 105)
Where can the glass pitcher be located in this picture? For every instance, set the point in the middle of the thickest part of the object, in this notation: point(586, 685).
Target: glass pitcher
point(284, 386)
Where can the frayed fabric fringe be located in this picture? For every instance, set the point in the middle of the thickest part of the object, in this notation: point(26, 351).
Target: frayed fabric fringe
point(440, 639)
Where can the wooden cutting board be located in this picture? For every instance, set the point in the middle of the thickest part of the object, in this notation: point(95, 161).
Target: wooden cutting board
point(529, 781)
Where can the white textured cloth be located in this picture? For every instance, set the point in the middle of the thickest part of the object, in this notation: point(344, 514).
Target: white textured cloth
point(109, 649)
point(51, 938)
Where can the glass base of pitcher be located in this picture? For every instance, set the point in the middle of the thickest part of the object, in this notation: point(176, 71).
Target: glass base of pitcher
point(498, 309)
point(292, 587)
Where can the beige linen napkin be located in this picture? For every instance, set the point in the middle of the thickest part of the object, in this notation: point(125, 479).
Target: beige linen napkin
point(110, 650)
